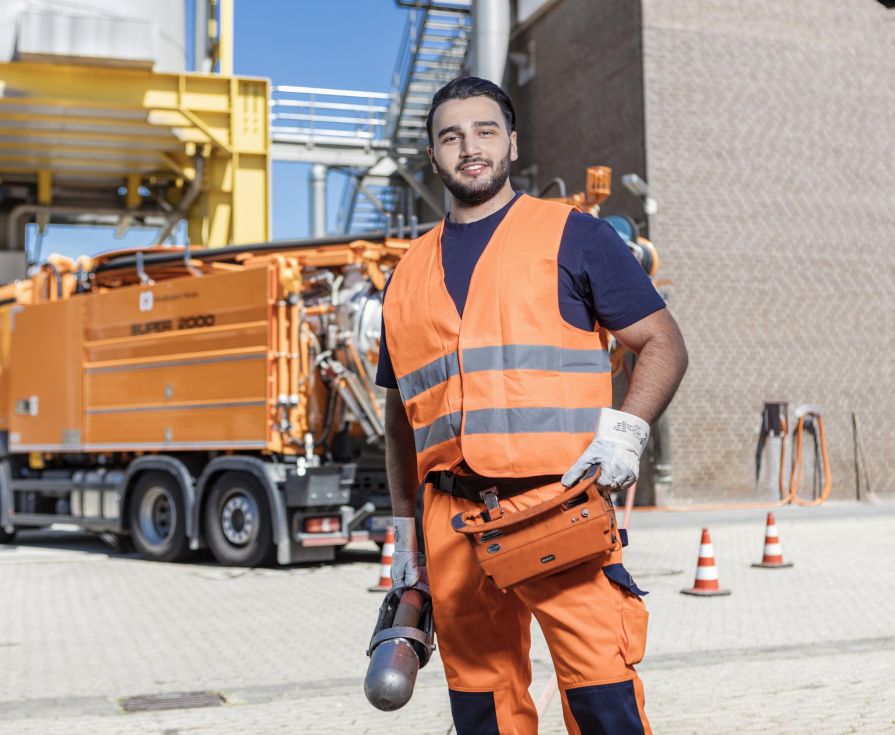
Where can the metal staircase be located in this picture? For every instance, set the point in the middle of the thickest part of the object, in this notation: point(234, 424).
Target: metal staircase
point(378, 139)
point(368, 203)
point(432, 52)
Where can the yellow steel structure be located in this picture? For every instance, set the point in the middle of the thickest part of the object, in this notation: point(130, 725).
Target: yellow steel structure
point(220, 30)
point(131, 128)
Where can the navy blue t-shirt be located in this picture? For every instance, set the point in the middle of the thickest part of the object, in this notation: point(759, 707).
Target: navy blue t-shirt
point(600, 281)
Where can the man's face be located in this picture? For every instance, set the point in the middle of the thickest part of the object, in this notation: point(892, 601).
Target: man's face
point(471, 148)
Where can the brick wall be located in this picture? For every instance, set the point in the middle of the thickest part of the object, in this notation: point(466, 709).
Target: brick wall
point(769, 143)
point(584, 105)
point(771, 147)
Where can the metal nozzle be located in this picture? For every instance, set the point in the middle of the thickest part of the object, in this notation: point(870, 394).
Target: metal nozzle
point(391, 675)
point(401, 645)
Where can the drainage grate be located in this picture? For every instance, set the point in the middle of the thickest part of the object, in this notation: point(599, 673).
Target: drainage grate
point(177, 700)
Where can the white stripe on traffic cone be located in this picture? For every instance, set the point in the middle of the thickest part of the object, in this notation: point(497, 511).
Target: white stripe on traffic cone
point(773, 551)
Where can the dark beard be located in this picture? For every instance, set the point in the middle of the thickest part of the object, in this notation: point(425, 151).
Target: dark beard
point(471, 195)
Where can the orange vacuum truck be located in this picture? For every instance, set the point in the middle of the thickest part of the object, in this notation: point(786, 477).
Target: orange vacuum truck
point(186, 398)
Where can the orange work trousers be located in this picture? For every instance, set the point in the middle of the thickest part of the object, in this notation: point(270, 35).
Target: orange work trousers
point(591, 615)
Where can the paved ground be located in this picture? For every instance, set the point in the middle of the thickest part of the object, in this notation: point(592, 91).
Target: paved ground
point(804, 650)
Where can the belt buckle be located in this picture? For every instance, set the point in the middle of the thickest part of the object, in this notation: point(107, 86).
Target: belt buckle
point(447, 482)
point(492, 511)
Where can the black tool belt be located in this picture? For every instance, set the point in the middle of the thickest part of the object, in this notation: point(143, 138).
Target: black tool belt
point(470, 486)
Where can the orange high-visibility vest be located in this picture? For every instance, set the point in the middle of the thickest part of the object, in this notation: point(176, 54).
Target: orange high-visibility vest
point(511, 388)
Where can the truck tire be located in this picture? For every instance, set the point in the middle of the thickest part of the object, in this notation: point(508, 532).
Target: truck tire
point(7, 537)
point(158, 518)
point(237, 521)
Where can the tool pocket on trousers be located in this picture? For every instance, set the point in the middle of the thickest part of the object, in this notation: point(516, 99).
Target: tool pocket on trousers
point(634, 617)
point(635, 620)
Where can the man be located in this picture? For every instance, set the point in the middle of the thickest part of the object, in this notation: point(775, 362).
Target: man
point(494, 351)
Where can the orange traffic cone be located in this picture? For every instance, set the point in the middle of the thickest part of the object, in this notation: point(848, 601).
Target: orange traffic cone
point(773, 553)
point(385, 570)
point(706, 584)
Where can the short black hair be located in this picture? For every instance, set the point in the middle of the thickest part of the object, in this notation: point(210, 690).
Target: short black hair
point(466, 87)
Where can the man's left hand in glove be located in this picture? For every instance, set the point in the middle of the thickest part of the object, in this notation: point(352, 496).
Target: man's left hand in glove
point(616, 447)
point(408, 564)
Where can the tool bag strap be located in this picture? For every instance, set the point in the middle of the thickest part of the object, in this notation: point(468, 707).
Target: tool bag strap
point(470, 523)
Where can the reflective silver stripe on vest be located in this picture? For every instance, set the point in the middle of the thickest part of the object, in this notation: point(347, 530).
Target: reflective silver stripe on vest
point(532, 420)
point(443, 428)
point(535, 357)
point(428, 376)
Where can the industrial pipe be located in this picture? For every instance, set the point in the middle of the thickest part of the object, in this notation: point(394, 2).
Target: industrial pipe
point(186, 201)
point(490, 38)
point(559, 183)
point(318, 200)
point(297, 418)
point(12, 224)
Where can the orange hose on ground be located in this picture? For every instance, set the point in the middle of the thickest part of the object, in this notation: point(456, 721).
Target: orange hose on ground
point(785, 497)
point(795, 478)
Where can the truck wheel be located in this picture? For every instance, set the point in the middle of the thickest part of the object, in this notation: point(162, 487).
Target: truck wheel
point(237, 521)
point(7, 537)
point(158, 518)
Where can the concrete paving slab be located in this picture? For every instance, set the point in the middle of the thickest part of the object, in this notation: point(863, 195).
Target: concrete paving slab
point(802, 650)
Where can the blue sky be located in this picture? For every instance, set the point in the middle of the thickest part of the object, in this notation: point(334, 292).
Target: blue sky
point(348, 44)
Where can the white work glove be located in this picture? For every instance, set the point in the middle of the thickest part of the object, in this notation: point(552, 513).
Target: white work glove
point(616, 448)
point(408, 564)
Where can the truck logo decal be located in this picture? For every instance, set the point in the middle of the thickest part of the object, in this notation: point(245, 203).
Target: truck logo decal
point(168, 325)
